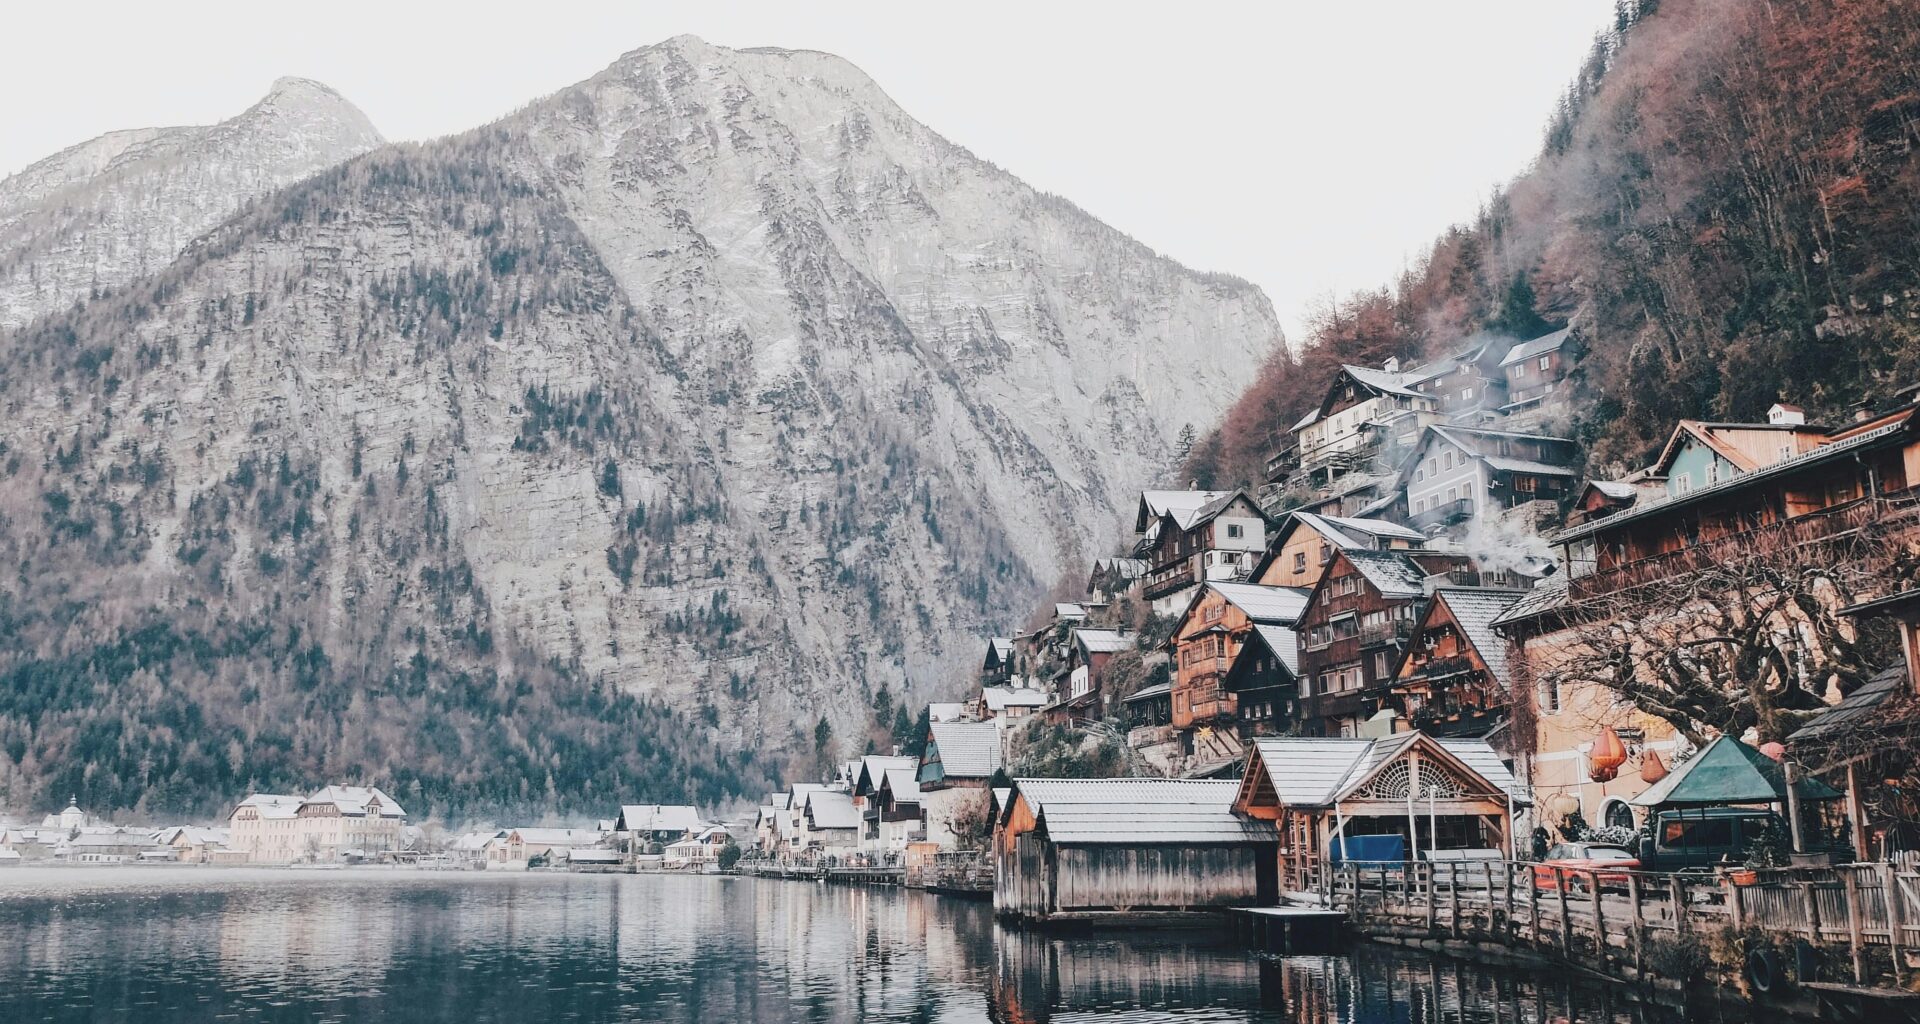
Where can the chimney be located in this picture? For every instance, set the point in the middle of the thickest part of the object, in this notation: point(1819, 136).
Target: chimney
point(1786, 415)
point(1861, 412)
point(1392, 364)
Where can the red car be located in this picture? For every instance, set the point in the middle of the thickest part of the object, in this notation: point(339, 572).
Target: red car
point(1612, 862)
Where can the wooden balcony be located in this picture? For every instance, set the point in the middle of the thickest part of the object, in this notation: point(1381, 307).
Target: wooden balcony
point(1399, 631)
point(1168, 580)
point(1445, 514)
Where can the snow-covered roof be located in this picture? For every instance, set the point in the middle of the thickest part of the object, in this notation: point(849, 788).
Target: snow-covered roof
point(965, 750)
point(1148, 693)
point(903, 784)
point(474, 842)
point(1617, 489)
point(1475, 609)
point(1103, 641)
point(1284, 643)
point(1069, 610)
point(272, 805)
point(1537, 347)
point(1393, 575)
point(1181, 505)
point(831, 808)
point(945, 711)
point(1342, 529)
point(1381, 380)
point(1000, 698)
point(1276, 605)
point(659, 817)
point(1140, 811)
point(1546, 595)
point(1317, 772)
point(359, 801)
point(556, 836)
point(1506, 465)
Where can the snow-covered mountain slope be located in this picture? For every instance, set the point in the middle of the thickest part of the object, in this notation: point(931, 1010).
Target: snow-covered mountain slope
point(101, 213)
point(716, 382)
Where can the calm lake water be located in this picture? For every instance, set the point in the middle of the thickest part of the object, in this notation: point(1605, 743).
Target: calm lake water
point(181, 944)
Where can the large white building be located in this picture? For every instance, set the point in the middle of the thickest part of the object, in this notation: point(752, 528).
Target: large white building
point(335, 823)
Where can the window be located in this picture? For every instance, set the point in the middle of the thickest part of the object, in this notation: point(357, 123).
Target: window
point(1380, 667)
point(1550, 696)
point(1235, 530)
point(1713, 473)
point(1433, 466)
point(1466, 395)
point(1326, 553)
point(1683, 483)
point(1517, 372)
point(1546, 361)
point(1446, 460)
point(1420, 473)
point(1299, 561)
point(1525, 484)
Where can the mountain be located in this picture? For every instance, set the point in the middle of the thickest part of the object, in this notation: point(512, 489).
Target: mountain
point(1723, 206)
point(101, 213)
point(605, 451)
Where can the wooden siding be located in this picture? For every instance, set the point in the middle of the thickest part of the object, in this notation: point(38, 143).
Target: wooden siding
point(1039, 879)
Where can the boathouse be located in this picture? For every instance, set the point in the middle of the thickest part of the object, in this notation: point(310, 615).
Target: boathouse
point(1407, 796)
point(1136, 850)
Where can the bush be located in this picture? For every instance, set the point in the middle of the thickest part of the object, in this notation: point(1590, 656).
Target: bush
point(729, 856)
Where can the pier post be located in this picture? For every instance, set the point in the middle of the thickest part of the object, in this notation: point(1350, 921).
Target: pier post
point(1433, 898)
point(1854, 941)
point(1638, 934)
point(1896, 920)
point(1533, 904)
point(1599, 920)
point(1679, 890)
point(1566, 919)
point(1453, 897)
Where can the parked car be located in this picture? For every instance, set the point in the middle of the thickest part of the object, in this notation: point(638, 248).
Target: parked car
point(1699, 839)
point(1611, 861)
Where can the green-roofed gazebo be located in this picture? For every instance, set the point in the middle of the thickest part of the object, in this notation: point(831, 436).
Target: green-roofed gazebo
point(1730, 772)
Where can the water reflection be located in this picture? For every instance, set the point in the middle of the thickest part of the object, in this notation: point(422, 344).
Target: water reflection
point(158, 945)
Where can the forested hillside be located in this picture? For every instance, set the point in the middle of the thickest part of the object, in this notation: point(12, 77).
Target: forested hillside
point(1726, 205)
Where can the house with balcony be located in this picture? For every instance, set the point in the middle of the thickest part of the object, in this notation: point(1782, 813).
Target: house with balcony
point(1228, 626)
point(1216, 541)
point(1468, 383)
point(1730, 486)
point(1453, 678)
point(1113, 578)
point(1535, 373)
point(1459, 475)
point(1357, 622)
point(1304, 542)
point(1365, 414)
point(1083, 693)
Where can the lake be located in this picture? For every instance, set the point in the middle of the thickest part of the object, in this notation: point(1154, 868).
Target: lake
point(157, 945)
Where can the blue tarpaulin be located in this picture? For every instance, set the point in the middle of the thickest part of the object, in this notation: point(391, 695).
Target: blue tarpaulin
point(1370, 848)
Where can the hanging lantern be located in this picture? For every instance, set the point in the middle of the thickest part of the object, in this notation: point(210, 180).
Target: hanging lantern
point(1775, 750)
point(1652, 769)
point(1606, 757)
point(1563, 804)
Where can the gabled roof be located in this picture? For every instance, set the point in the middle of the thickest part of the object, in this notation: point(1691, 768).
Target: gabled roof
point(1393, 574)
point(1475, 609)
point(1148, 693)
point(1537, 347)
point(999, 648)
point(945, 711)
point(1281, 606)
point(1705, 433)
point(1889, 432)
point(831, 808)
point(1380, 380)
point(903, 784)
point(1618, 490)
point(778, 801)
point(1179, 504)
point(874, 766)
point(1069, 610)
point(1187, 812)
point(1283, 642)
point(960, 750)
point(1475, 442)
point(358, 801)
point(1212, 509)
point(663, 817)
point(1318, 772)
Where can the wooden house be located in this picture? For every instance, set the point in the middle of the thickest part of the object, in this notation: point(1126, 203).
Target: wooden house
point(1304, 542)
point(1458, 475)
point(1468, 383)
point(1082, 695)
point(867, 782)
point(892, 815)
point(1724, 494)
point(1229, 625)
point(1363, 412)
point(1535, 372)
point(1357, 622)
point(1150, 706)
point(1453, 679)
point(1598, 499)
point(1325, 794)
point(1185, 547)
point(956, 767)
point(996, 669)
point(1113, 578)
point(1128, 850)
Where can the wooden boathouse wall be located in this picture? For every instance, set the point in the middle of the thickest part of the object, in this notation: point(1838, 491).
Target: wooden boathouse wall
point(1044, 880)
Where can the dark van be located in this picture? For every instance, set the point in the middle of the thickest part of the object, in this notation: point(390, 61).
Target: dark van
point(1705, 838)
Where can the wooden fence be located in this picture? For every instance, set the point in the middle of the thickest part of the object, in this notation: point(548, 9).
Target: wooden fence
point(1620, 916)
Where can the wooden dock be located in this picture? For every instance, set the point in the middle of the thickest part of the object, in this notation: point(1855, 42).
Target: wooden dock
point(1292, 928)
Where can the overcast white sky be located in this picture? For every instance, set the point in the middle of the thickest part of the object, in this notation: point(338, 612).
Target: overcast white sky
point(1311, 148)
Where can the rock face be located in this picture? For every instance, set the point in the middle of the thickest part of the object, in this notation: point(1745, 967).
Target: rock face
point(672, 413)
point(103, 212)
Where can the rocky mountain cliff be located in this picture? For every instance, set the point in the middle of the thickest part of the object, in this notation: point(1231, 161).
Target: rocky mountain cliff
point(101, 213)
point(616, 443)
